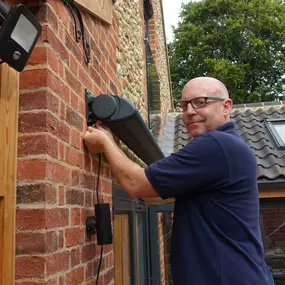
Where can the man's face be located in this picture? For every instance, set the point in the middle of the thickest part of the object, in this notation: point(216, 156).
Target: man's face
point(208, 118)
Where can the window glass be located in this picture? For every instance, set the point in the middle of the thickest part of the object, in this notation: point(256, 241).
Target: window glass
point(280, 128)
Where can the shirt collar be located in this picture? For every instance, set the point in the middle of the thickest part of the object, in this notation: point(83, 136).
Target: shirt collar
point(229, 126)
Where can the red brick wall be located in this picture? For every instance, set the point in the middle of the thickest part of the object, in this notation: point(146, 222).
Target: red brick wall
point(272, 219)
point(56, 176)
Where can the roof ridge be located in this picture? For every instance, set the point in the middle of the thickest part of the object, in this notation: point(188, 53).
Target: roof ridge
point(264, 105)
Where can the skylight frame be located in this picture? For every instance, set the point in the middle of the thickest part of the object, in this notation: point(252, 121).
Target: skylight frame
point(270, 124)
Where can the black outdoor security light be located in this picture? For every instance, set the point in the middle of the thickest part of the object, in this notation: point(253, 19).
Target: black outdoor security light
point(19, 32)
point(125, 122)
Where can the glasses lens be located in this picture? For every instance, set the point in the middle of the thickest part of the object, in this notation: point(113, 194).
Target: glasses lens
point(183, 105)
point(199, 102)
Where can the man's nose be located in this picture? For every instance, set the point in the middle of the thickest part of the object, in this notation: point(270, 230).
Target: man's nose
point(190, 110)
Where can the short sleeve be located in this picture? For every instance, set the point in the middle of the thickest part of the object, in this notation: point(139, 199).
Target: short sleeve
point(199, 166)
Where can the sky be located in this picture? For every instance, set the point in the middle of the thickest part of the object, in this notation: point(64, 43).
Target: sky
point(171, 9)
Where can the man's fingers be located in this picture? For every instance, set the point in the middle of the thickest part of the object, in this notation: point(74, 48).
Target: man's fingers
point(98, 125)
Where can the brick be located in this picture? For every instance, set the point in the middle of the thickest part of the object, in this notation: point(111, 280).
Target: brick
point(30, 267)
point(73, 118)
point(58, 173)
point(73, 46)
point(60, 69)
point(38, 100)
point(95, 76)
point(45, 14)
point(62, 111)
point(74, 197)
point(89, 270)
point(104, 76)
point(73, 82)
point(35, 78)
point(38, 56)
point(87, 162)
point(61, 280)
point(56, 84)
point(33, 122)
point(85, 79)
point(48, 36)
point(55, 218)
point(87, 181)
point(76, 138)
point(88, 253)
point(36, 193)
point(74, 157)
point(61, 195)
point(37, 144)
point(61, 239)
point(105, 187)
point(74, 101)
point(74, 237)
point(88, 199)
point(31, 169)
point(109, 276)
point(113, 88)
point(60, 11)
point(61, 151)
point(32, 243)
point(107, 171)
point(96, 51)
point(30, 219)
point(82, 109)
point(43, 122)
point(92, 282)
point(52, 281)
point(75, 178)
point(75, 217)
point(53, 60)
point(84, 214)
point(73, 64)
point(61, 130)
point(75, 277)
point(75, 256)
point(57, 262)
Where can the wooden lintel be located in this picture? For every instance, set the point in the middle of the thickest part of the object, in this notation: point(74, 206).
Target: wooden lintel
point(272, 193)
point(9, 101)
point(102, 9)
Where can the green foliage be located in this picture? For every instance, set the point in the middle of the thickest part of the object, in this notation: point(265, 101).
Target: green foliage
point(240, 42)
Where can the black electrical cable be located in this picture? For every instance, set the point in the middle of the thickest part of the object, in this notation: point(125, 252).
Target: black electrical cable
point(98, 201)
point(99, 265)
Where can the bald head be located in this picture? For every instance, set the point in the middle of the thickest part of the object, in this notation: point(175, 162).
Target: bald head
point(208, 85)
point(200, 115)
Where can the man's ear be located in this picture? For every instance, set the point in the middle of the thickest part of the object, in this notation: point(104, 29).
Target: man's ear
point(228, 104)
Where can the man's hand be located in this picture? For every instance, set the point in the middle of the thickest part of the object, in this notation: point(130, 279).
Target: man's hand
point(96, 139)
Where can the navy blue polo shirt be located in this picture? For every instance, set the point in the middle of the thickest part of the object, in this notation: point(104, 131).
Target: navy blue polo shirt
point(216, 238)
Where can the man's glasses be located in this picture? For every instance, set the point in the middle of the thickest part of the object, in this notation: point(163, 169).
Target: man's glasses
point(198, 102)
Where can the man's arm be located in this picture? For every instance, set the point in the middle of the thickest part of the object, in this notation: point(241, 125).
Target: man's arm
point(130, 175)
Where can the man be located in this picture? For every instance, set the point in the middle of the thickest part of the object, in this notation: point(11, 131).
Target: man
point(216, 238)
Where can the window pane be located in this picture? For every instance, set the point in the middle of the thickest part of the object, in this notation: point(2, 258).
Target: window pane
point(141, 251)
point(280, 128)
point(272, 223)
